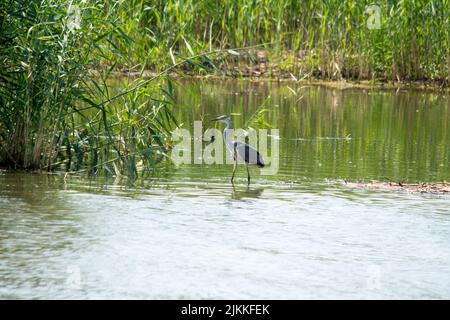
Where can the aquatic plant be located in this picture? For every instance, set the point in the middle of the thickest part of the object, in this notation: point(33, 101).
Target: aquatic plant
point(386, 40)
point(57, 108)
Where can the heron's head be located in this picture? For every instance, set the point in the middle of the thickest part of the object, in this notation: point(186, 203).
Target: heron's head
point(223, 118)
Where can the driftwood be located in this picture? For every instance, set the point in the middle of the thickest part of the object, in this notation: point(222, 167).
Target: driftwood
point(432, 188)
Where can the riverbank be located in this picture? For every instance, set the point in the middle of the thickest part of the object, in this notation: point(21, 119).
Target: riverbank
point(343, 84)
point(273, 73)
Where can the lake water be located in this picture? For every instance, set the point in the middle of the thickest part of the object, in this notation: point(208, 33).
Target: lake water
point(300, 233)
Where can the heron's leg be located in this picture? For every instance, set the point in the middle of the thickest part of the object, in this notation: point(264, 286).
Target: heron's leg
point(248, 174)
point(234, 169)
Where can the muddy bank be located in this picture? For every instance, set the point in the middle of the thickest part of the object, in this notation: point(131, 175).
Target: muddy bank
point(432, 86)
point(259, 68)
point(343, 84)
point(425, 188)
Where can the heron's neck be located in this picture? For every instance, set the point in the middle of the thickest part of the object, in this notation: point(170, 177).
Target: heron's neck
point(227, 133)
point(229, 124)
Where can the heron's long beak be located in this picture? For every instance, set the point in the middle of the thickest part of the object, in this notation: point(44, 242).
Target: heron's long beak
point(215, 119)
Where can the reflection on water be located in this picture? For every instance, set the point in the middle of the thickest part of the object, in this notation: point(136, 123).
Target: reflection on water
point(247, 192)
point(299, 234)
point(206, 239)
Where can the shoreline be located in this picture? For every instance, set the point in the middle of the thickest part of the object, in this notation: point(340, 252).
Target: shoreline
point(432, 188)
point(339, 84)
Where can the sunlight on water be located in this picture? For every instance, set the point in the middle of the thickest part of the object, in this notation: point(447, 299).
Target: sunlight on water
point(299, 234)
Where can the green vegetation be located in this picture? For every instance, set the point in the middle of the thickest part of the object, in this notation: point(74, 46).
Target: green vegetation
point(58, 104)
point(61, 107)
point(325, 39)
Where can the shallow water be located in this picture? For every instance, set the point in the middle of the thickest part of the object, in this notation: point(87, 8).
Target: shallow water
point(298, 234)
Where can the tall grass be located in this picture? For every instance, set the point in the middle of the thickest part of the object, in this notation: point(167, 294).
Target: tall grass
point(57, 105)
point(328, 39)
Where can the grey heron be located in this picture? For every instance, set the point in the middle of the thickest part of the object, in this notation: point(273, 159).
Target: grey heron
point(240, 150)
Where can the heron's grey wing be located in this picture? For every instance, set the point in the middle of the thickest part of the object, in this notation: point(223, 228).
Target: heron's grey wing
point(248, 154)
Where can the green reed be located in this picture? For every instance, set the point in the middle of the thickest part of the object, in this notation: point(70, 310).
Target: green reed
point(328, 39)
point(57, 105)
